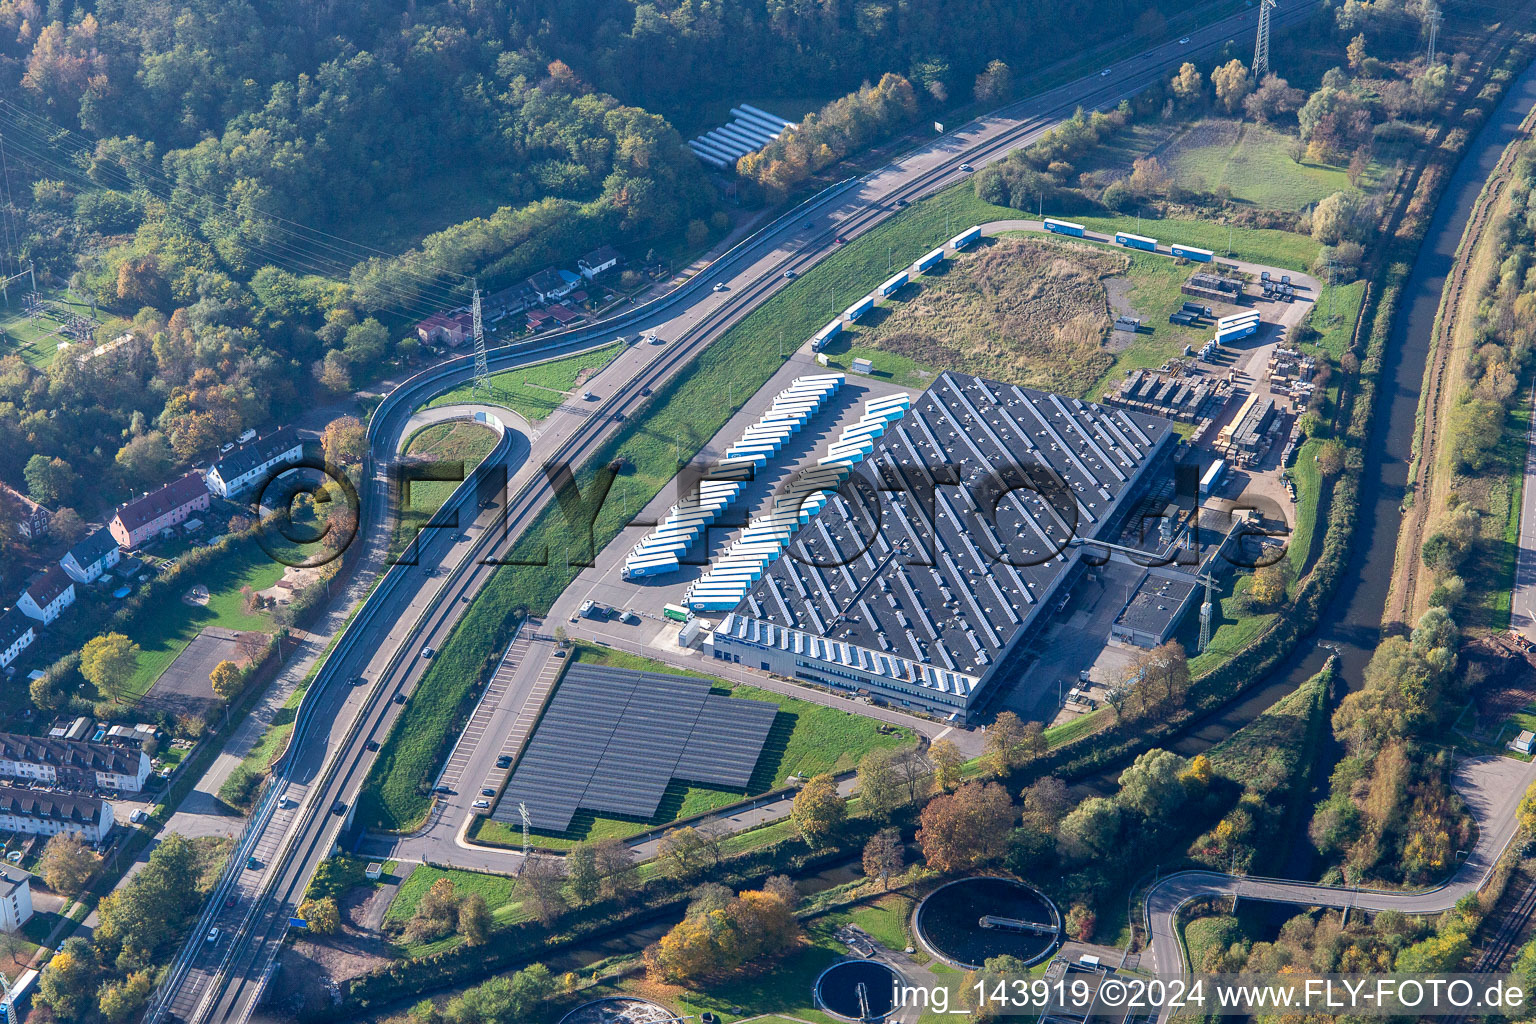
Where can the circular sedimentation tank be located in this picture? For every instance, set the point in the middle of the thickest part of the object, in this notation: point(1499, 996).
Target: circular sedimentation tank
point(619, 1010)
point(858, 990)
point(969, 921)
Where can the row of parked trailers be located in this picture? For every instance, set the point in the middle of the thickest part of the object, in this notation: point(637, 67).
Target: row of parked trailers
point(891, 286)
point(748, 131)
point(658, 551)
point(1125, 238)
point(761, 544)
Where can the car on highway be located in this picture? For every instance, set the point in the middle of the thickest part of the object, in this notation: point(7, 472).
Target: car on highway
point(480, 805)
point(654, 340)
point(427, 652)
point(790, 275)
point(1184, 41)
point(645, 391)
point(719, 286)
point(967, 168)
point(251, 863)
point(231, 900)
point(902, 202)
point(372, 744)
point(286, 801)
point(618, 417)
point(400, 697)
point(587, 396)
point(840, 240)
point(213, 934)
point(338, 808)
point(1104, 73)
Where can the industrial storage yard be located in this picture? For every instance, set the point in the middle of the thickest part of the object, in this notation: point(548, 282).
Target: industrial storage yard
point(854, 605)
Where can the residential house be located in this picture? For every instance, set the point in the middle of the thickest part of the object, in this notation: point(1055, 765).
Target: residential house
point(31, 518)
point(74, 764)
point(15, 898)
point(604, 257)
point(88, 559)
point(440, 327)
point(510, 301)
point(553, 285)
point(47, 814)
point(47, 596)
point(144, 517)
point(563, 315)
point(251, 463)
point(16, 635)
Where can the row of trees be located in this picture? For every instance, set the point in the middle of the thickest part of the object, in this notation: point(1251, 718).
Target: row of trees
point(141, 923)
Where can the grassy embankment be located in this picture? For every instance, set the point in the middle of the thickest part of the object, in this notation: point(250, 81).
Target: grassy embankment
point(536, 390)
point(460, 441)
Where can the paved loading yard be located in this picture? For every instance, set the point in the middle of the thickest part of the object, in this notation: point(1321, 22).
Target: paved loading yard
point(604, 582)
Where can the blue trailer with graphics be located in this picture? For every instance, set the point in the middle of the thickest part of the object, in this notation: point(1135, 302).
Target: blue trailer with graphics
point(826, 334)
point(859, 308)
point(931, 260)
point(1189, 252)
point(1131, 241)
point(894, 285)
point(1063, 227)
point(965, 238)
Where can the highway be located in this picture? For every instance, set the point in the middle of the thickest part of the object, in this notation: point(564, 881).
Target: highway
point(341, 723)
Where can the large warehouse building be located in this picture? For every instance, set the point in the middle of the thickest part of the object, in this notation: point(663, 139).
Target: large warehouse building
point(959, 544)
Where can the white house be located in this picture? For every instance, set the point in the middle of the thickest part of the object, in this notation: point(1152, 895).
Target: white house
point(76, 764)
point(47, 596)
point(15, 899)
point(48, 814)
point(250, 463)
point(87, 560)
point(604, 257)
point(16, 635)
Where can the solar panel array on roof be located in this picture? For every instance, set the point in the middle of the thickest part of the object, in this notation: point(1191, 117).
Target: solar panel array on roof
point(948, 576)
point(612, 739)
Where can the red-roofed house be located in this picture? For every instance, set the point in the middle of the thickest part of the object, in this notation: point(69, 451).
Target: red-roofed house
point(563, 314)
point(144, 517)
point(449, 329)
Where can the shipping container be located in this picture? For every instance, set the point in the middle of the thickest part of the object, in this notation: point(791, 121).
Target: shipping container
point(1197, 309)
point(1233, 333)
point(859, 308)
point(1131, 241)
point(930, 261)
point(1212, 477)
point(1189, 252)
point(965, 238)
point(894, 285)
point(1063, 227)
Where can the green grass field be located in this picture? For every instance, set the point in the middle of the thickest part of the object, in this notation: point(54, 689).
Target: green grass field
point(1309, 488)
point(165, 628)
point(1251, 160)
point(1268, 246)
point(534, 391)
point(806, 739)
point(38, 342)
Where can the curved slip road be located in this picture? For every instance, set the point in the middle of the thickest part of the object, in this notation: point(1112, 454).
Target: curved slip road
point(1491, 786)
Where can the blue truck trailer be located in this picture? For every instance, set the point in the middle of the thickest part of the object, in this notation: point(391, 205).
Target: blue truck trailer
point(1063, 227)
point(1131, 241)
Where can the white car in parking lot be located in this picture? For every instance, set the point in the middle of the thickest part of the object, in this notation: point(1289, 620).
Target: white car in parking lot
point(481, 804)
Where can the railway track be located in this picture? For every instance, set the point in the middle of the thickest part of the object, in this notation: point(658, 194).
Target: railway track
point(1404, 599)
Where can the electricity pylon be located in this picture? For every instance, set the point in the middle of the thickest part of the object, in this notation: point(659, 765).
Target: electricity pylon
point(482, 371)
point(1207, 611)
point(1261, 47)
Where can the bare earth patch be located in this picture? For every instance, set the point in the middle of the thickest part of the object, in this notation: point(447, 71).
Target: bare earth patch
point(1022, 310)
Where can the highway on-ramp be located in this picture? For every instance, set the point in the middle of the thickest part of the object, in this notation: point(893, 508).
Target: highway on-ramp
point(343, 721)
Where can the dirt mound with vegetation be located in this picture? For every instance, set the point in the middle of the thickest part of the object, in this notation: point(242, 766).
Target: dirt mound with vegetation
point(1022, 310)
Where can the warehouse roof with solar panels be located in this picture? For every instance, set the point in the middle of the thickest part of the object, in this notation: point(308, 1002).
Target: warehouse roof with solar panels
point(906, 577)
